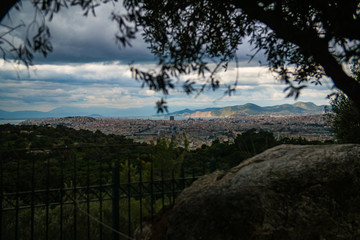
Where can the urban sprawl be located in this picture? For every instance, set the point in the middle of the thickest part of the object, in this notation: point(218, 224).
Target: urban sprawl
point(199, 131)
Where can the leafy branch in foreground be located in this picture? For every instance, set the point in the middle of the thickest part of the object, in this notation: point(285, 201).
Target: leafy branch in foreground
point(344, 117)
point(303, 41)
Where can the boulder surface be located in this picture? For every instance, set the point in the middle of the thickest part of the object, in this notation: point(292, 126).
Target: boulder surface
point(287, 192)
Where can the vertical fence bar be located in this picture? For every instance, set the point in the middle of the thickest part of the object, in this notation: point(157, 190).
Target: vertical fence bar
point(47, 199)
point(121, 193)
point(74, 196)
point(32, 205)
point(115, 200)
point(17, 200)
point(62, 162)
point(101, 199)
point(88, 198)
point(141, 195)
point(129, 198)
point(152, 189)
point(1, 194)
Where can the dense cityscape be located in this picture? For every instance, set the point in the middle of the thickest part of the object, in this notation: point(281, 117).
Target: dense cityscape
point(199, 131)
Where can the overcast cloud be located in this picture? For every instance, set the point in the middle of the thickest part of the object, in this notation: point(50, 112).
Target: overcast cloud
point(87, 68)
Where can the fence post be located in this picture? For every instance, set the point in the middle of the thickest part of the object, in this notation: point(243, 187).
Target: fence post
point(115, 200)
point(1, 193)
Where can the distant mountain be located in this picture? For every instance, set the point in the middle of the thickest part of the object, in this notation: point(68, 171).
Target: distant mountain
point(253, 109)
point(21, 114)
point(79, 111)
point(232, 111)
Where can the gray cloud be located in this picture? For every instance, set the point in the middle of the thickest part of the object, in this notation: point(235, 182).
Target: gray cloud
point(81, 39)
point(87, 68)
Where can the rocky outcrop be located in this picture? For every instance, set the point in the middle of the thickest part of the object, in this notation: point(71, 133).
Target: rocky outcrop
point(287, 192)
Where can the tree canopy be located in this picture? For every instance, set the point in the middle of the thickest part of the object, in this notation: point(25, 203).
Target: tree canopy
point(344, 117)
point(303, 41)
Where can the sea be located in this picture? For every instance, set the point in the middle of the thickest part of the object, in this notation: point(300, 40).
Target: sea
point(11, 121)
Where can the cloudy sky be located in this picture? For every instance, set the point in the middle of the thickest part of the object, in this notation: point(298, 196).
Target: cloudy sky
point(87, 68)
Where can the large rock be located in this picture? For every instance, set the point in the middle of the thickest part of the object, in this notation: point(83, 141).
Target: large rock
point(287, 192)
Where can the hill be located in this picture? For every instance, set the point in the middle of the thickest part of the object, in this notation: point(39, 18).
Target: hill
point(231, 111)
point(78, 111)
point(253, 109)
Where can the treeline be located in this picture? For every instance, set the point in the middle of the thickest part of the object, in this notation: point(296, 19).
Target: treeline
point(50, 157)
point(53, 152)
point(45, 171)
point(227, 155)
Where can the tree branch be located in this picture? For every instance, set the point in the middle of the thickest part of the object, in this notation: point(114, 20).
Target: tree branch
point(5, 8)
point(308, 40)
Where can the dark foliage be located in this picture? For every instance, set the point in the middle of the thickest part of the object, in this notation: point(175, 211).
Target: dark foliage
point(227, 155)
point(30, 147)
point(303, 41)
point(35, 147)
point(345, 119)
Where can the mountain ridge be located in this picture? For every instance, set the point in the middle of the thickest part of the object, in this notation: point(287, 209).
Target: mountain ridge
point(253, 109)
point(78, 111)
point(229, 111)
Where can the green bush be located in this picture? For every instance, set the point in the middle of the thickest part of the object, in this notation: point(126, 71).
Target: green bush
point(344, 119)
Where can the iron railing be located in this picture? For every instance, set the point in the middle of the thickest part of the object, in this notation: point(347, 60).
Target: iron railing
point(59, 193)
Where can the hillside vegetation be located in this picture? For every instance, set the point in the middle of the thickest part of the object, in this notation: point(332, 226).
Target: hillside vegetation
point(40, 160)
point(253, 109)
point(43, 142)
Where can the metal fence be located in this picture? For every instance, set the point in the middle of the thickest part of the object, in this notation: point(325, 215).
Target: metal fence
point(64, 193)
